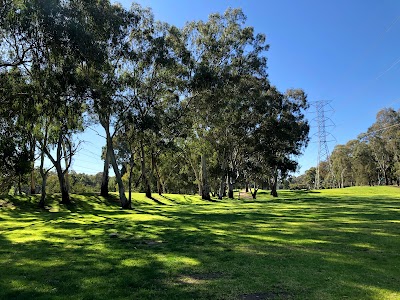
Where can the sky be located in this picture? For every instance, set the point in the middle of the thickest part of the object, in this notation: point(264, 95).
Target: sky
point(344, 52)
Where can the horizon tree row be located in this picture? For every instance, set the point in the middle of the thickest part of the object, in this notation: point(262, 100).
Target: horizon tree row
point(371, 159)
point(194, 100)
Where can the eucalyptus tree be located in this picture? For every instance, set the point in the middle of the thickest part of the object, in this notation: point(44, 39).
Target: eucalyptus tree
point(222, 52)
point(383, 138)
point(15, 34)
point(341, 159)
point(278, 133)
point(175, 172)
point(108, 103)
point(16, 143)
point(310, 176)
point(125, 152)
point(151, 87)
point(16, 101)
point(67, 45)
point(51, 43)
point(365, 167)
point(292, 133)
point(61, 108)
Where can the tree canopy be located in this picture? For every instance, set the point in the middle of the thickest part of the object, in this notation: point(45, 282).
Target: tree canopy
point(183, 109)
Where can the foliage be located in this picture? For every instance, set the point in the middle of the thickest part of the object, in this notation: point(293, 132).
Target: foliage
point(194, 99)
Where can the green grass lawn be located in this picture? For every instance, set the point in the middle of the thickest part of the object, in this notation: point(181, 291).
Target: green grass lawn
point(332, 244)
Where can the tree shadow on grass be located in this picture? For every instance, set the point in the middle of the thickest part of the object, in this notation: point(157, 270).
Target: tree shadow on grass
point(174, 201)
point(301, 251)
point(44, 270)
point(157, 201)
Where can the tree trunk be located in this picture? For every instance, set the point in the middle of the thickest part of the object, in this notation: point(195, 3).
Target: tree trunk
point(160, 188)
point(65, 198)
point(148, 191)
point(221, 188)
point(342, 177)
point(66, 175)
point(105, 178)
point(144, 175)
point(254, 194)
point(196, 173)
point(118, 178)
point(205, 192)
point(385, 175)
point(247, 187)
point(32, 177)
point(43, 173)
point(159, 180)
point(43, 195)
point(160, 191)
point(130, 185)
point(230, 186)
point(33, 185)
point(19, 185)
point(274, 193)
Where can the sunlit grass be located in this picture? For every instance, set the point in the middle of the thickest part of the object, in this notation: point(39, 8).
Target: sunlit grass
point(328, 244)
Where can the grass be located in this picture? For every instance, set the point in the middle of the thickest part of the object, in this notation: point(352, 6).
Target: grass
point(331, 244)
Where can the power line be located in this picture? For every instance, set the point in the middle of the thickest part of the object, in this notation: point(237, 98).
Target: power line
point(380, 129)
point(393, 23)
point(96, 170)
point(97, 156)
point(367, 52)
point(82, 160)
point(91, 152)
point(87, 155)
point(97, 133)
point(388, 69)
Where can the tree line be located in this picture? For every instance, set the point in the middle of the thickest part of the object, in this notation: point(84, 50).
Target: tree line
point(371, 159)
point(182, 109)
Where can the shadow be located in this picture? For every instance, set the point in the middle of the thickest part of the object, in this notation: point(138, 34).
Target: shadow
point(157, 201)
point(209, 200)
point(171, 199)
point(92, 202)
point(302, 247)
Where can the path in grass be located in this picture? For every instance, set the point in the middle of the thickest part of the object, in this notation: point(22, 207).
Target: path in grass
point(336, 244)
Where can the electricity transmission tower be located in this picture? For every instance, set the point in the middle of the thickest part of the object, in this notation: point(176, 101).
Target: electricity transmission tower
point(322, 107)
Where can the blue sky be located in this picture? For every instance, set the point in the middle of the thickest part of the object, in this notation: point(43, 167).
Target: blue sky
point(344, 51)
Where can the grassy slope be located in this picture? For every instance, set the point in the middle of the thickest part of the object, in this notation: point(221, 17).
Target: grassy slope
point(336, 244)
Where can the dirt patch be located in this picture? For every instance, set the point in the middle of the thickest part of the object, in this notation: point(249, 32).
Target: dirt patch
point(207, 276)
point(198, 278)
point(184, 279)
point(244, 195)
point(6, 204)
point(152, 242)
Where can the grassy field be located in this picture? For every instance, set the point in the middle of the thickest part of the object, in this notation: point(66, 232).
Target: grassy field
point(332, 244)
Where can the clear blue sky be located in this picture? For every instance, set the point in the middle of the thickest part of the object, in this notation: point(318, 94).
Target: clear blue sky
point(344, 51)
